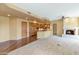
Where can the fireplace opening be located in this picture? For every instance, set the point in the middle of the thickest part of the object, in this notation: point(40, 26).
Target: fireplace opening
point(70, 32)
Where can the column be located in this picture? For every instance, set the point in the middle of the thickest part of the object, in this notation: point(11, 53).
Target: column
point(27, 28)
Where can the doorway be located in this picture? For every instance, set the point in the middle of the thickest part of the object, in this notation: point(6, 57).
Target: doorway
point(54, 29)
point(24, 29)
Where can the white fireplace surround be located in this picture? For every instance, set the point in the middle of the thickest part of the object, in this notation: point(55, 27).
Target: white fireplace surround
point(76, 35)
point(72, 28)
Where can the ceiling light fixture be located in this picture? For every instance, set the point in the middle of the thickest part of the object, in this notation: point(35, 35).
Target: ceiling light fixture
point(9, 15)
point(34, 21)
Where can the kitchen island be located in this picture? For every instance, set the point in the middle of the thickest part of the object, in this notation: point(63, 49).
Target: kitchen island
point(44, 34)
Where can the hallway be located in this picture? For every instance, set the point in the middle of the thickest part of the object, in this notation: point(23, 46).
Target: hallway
point(47, 46)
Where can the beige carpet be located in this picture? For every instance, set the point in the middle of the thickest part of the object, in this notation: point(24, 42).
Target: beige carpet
point(46, 46)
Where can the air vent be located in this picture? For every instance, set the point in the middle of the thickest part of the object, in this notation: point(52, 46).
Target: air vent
point(28, 12)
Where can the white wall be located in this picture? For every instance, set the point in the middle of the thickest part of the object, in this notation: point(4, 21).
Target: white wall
point(4, 28)
point(12, 24)
point(11, 28)
point(19, 27)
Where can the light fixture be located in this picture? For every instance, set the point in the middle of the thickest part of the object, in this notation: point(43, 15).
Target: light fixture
point(9, 15)
point(34, 21)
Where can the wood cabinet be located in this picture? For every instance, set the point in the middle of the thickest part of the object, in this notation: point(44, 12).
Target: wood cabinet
point(32, 32)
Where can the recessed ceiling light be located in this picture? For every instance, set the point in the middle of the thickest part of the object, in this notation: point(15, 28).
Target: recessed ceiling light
point(9, 15)
point(34, 21)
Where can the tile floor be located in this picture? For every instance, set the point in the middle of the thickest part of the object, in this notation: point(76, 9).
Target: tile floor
point(52, 45)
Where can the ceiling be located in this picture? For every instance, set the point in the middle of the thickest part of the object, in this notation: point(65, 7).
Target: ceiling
point(51, 10)
point(5, 11)
point(10, 11)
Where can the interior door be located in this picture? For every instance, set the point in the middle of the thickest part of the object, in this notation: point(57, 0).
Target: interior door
point(54, 29)
point(24, 29)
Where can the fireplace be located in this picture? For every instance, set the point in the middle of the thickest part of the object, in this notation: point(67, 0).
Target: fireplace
point(71, 28)
point(70, 32)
